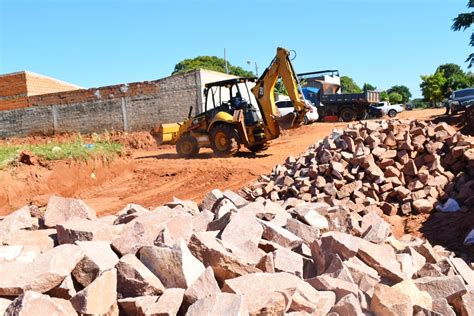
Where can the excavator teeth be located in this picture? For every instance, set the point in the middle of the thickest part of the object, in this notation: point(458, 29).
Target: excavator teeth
point(288, 121)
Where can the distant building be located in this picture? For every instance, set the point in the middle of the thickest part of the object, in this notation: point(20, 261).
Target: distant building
point(16, 87)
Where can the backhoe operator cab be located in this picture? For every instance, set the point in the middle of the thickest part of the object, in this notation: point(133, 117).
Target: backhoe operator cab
point(228, 96)
point(230, 119)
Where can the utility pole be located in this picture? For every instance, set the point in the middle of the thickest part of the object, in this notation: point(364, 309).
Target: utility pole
point(249, 62)
point(225, 62)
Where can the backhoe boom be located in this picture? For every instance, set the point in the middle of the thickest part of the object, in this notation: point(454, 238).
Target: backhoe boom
point(279, 67)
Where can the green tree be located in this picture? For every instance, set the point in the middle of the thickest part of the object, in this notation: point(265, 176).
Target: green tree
point(456, 78)
point(383, 96)
point(395, 97)
point(401, 90)
point(450, 69)
point(368, 87)
point(280, 88)
point(210, 63)
point(349, 86)
point(432, 87)
point(462, 22)
point(456, 82)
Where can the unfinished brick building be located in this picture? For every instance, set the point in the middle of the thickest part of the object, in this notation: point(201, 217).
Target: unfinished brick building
point(15, 88)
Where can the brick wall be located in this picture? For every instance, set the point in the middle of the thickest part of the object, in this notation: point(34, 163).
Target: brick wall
point(130, 107)
point(13, 91)
point(16, 87)
point(38, 84)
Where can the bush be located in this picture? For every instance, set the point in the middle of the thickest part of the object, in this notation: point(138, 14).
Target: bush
point(395, 98)
point(420, 104)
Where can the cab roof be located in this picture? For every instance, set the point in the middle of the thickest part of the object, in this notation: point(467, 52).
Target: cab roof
point(230, 82)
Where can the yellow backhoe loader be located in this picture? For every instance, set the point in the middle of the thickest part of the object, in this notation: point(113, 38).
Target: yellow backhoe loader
point(230, 121)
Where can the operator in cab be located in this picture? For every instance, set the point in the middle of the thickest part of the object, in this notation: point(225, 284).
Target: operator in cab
point(237, 102)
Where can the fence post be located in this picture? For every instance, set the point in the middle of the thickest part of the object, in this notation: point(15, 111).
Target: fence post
point(54, 110)
point(125, 115)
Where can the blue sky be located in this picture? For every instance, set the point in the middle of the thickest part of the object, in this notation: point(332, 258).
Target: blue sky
point(104, 42)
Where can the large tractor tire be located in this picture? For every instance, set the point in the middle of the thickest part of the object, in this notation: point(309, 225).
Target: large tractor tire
point(348, 115)
point(187, 146)
point(224, 140)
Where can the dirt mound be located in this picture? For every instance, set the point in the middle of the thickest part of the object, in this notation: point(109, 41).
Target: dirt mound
point(135, 141)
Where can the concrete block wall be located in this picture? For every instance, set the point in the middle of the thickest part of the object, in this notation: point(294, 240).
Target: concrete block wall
point(127, 107)
point(26, 121)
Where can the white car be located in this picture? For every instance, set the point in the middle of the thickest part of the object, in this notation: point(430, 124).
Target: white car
point(286, 107)
point(389, 109)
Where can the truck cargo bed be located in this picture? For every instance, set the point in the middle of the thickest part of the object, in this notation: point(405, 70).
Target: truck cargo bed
point(365, 98)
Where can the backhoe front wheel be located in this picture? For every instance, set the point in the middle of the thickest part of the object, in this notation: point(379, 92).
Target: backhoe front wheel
point(224, 140)
point(187, 146)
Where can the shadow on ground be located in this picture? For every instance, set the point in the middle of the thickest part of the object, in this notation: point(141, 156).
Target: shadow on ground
point(457, 121)
point(248, 155)
point(449, 230)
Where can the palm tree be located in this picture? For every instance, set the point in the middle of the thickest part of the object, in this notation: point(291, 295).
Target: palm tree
point(462, 22)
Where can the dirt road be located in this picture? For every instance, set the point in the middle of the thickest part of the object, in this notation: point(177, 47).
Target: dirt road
point(152, 177)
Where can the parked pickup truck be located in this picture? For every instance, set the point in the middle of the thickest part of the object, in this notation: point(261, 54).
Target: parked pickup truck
point(459, 99)
point(389, 109)
point(347, 106)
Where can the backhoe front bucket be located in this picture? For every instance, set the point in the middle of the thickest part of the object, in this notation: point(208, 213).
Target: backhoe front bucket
point(288, 121)
point(165, 133)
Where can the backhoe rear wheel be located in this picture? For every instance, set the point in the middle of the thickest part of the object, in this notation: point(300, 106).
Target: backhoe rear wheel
point(187, 146)
point(224, 140)
point(348, 115)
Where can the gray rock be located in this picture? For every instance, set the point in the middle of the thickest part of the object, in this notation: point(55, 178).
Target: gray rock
point(61, 209)
point(219, 304)
point(448, 287)
point(135, 279)
point(34, 303)
point(175, 267)
point(205, 286)
point(98, 257)
point(99, 296)
point(14, 222)
point(44, 273)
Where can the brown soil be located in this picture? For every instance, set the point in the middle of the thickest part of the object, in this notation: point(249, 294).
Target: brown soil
point(149, 176)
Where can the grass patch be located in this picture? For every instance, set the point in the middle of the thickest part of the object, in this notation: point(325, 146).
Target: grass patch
point(78, 149)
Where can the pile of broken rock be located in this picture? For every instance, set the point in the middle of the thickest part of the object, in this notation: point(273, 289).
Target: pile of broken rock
point(227, 256)
point(394, 167)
